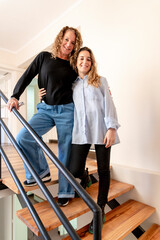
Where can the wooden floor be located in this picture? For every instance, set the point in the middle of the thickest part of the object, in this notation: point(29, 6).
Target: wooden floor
point(19, 169)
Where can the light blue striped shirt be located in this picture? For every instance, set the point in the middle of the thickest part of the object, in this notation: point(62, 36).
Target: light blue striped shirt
point(94, 112)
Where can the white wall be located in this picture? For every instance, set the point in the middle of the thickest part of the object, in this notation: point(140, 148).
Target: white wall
point(131, 36)
point(146, 188)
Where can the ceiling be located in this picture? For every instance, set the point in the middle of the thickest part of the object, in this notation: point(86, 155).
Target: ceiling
point(23, 20)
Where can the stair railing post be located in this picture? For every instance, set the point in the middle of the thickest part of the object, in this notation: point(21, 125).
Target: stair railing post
point(97, 225)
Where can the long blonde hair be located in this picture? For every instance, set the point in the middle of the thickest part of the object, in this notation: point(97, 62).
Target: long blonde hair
point(93, 77)
point(57, 43)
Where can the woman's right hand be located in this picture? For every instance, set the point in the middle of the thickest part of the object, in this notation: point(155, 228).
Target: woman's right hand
point(12, 102)
point(42, 92)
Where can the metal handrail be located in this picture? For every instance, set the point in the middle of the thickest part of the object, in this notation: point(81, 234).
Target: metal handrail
point(97, 219)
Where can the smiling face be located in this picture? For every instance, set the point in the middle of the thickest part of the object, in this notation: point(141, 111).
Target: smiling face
point(67, 45)
point(84, 63)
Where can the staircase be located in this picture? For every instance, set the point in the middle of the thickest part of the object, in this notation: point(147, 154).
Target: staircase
point(120, 221)
point(75, 208)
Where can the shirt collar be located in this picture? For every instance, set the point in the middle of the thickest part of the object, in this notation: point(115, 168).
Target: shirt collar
point(79, 78)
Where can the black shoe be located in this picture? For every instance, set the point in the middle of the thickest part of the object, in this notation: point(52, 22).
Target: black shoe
point(103, 220)
point(86, 180)
point(91, 227)
point(46, 178)
point(63, 202)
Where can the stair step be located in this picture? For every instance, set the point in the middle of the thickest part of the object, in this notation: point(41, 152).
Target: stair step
point(75, 208)
point(153, 233)
point(122, 220)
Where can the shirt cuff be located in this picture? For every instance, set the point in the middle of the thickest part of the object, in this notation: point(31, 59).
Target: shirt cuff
point(111, 123)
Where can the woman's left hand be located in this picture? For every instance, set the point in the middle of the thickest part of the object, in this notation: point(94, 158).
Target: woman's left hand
point(110, 136)
point(42, 92)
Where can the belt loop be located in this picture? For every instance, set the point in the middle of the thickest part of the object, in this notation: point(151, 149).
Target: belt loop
point(60, 108)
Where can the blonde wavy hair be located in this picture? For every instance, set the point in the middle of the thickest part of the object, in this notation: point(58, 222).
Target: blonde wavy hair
point(93, 77)
point(57, 43)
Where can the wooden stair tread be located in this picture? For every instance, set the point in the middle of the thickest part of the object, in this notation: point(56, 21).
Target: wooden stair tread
point(153, 233)
point(19, 169)
point(75, 208)
point(123, 220)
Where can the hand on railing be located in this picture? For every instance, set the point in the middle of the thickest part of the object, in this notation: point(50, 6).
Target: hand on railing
point(13, 102)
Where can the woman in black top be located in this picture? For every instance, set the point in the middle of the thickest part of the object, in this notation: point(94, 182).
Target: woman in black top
point(56, 76)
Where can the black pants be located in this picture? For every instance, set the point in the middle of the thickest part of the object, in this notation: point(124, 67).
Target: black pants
point(77, 167)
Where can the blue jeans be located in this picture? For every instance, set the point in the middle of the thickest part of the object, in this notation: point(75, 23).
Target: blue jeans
point(48, 116)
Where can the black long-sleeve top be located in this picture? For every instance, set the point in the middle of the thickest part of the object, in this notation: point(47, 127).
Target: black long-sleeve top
point(55, 75)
